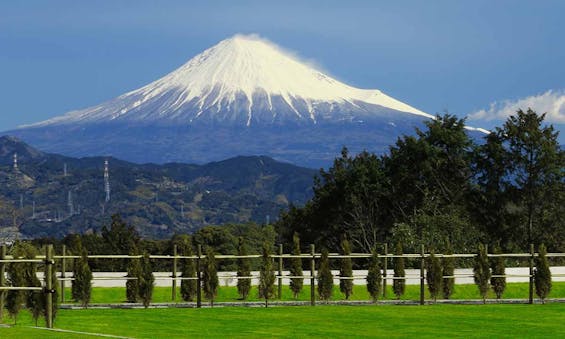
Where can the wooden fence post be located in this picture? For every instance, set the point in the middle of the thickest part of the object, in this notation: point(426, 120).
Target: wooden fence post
point(63, 273)
point(199, 278)
point(385, 269)
point(531, 294)
point(174, 275)
point(280, 270)
point(422, 276)
point(312, 277)
point(49, 285)
point(2, 280)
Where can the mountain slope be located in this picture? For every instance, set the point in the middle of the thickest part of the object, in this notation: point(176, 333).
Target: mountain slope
point(159, 200)
point(243, 96)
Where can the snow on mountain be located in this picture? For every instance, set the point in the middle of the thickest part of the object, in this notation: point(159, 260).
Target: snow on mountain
point(242, 80)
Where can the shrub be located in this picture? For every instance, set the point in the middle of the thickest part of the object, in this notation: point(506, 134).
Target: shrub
point(542, 274)
point(210, 276)
point(374, 277)
point(266, 275)
point(243, 270)
point(448, 269)
point(147, 281)
point(481, 272)
point(188, 287)
point(434, 275)
point(325, 277)
point(346, 270)
point(398, 285)
point(497, 265)
point(296, 268)
point(82, 283)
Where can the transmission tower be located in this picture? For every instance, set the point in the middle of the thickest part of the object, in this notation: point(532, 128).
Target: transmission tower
point(15, 161)
point(106, 180)
point(65, 170)
point(70, 203)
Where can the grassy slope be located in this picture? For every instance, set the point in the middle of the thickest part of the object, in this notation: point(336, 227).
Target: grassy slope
point(320, 321)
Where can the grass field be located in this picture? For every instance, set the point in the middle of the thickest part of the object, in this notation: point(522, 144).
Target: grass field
point(498, 321)
point(163, 294)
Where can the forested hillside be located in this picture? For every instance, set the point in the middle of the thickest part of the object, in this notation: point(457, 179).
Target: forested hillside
point(52, 195)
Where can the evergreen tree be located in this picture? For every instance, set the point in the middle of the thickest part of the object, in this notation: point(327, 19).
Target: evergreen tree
point(35, 301)
point(481, 272)
point(188, 287)
point(132, 285)
point(374, 276)
point(398, 285)
point(210, 280)
point(498, 269)
point(325, 277)
point(542, 274)
point(146, 281)
point(346, 270)
point(16, 278)
point(296, 267)
point(448, 270)
point(243, 270)
point(434, 275)
point(266, 275)
point(82, 283)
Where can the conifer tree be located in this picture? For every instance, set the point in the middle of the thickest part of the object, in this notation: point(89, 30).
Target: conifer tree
point(82, 283)
point(35, 302)
point(147, 281)
point(498, 269)
point(133, 271)
point(243, 270)
point(210, 276)
point(325, 277)
point(542, 274)
point(481, 272)
point(266, 275)
point(296, 267)
point(16, 278)
point(398, 285)
point(374, 276)
point(434, 275)
point(448, 269)
point(346, 270)
point(188, 287)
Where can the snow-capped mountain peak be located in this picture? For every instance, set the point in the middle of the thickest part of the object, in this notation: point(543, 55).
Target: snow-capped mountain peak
point(242, 80)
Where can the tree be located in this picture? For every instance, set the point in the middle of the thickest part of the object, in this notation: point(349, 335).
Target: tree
point(119, 238)
point(82, 283)
point(448, 269)
point(325, 277)
point(147, 281)
point(296, 267)
point(20, 275)
point(346, 270)
point(498, 281)
point(542, 274)
point(210, 280)
point(266, 275)
point(434, 275)
point(481, 272)
point(535, 175)
point(398, 285)
point(187, 287)
point(243, 271)
point(134, 273)
point(35, 302)
point(374, 276)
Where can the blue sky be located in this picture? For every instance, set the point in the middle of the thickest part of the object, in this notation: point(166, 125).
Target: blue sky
point(477, 58)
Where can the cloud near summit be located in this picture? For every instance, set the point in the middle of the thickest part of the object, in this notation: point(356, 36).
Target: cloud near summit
point(551, 102)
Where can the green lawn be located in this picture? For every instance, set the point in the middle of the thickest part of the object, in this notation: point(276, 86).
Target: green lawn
point(321, 321)
point(163, 294)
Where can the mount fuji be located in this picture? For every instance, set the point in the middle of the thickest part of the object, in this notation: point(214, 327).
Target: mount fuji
point(243, 96)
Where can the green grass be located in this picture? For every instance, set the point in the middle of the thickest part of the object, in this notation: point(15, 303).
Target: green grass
point(498, 321)
point(163, 294)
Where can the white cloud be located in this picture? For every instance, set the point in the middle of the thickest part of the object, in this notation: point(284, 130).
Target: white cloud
point(551, 102)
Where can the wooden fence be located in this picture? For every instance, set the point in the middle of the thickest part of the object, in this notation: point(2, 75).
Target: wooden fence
point(49, 259)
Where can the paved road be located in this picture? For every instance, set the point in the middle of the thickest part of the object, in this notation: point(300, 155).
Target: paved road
point(463, 276)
